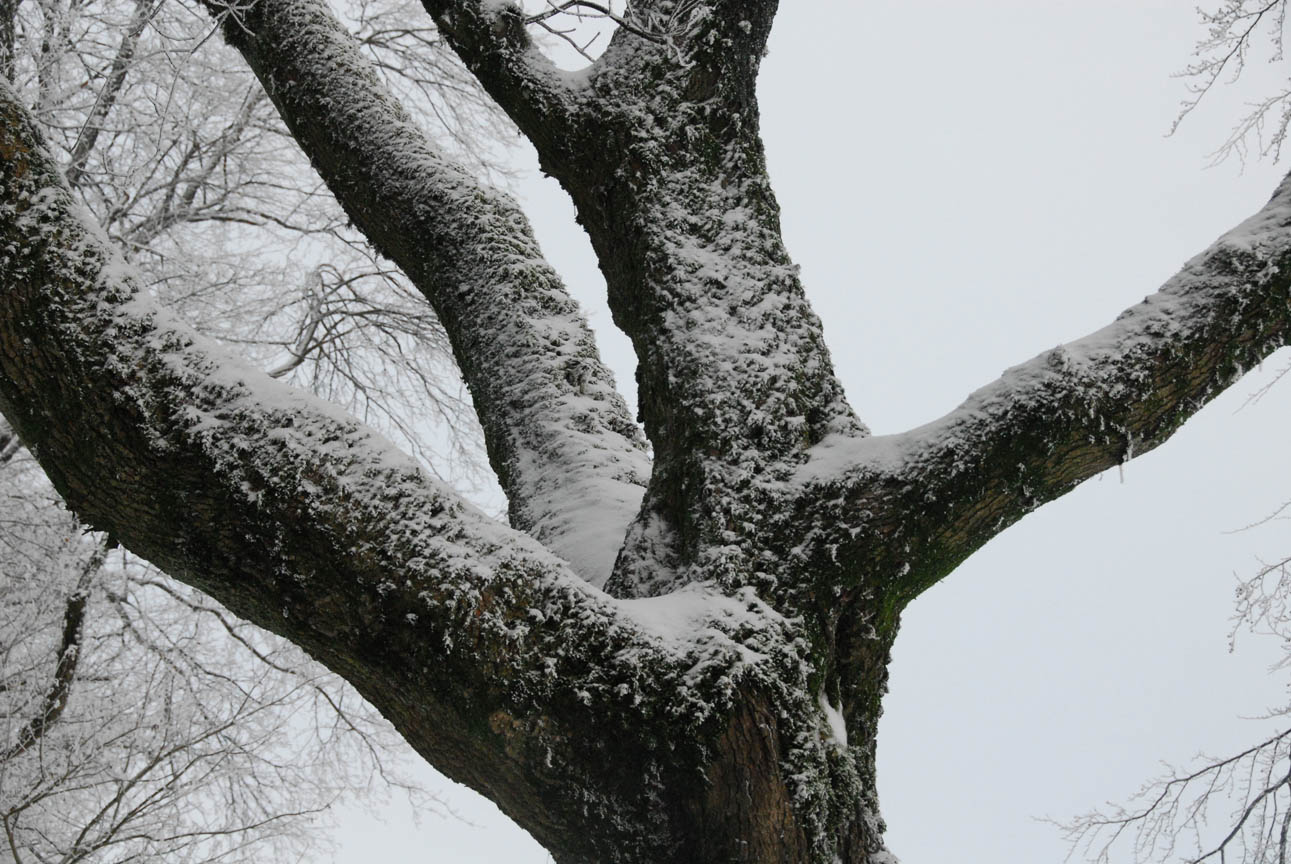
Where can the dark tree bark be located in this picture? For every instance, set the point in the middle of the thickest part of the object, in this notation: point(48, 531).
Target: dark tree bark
point(753, 572)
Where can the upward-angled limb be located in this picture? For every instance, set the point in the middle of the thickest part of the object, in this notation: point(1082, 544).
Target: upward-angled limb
point(491, 38)
point(567, 452)
point(665, 166)
point(917, 504)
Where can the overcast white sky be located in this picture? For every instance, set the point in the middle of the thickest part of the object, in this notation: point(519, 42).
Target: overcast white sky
point(966, 185)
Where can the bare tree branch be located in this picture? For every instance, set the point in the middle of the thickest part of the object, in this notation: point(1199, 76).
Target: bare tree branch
point(1222, 56)
point(1179, 809)
point(304, 343)
point(108, 92)
point(69, 653)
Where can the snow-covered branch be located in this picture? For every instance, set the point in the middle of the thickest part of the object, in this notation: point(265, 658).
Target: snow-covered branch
point(492, 40)
point(566, 450)
point(486, 652)
point(922, 501)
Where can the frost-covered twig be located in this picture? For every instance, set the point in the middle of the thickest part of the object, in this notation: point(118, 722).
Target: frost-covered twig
point(1231, 31)
point(1234, 804)
point(304, 343)
point(580, 9)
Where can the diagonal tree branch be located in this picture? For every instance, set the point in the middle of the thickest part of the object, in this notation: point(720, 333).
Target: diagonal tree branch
point(566, 451)
point(487, 653)
point(670, 182)
point(69, 653)
point(108, 92)
point(922, 501)
point(492, 41)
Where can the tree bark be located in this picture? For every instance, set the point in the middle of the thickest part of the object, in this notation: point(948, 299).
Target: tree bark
point(719, 700)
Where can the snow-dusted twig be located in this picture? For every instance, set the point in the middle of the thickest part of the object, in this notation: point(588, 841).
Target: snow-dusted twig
point(1223, 54)
point(1247, 794)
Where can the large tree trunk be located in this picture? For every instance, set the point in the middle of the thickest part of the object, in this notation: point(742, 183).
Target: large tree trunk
point(719, 700)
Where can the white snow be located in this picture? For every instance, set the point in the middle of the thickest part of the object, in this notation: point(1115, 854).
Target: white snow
point(834, 718)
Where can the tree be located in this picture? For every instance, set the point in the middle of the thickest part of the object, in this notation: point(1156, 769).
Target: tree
point(779, 542)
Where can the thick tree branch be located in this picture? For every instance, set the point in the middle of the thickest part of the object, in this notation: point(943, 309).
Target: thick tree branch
point(490, 657)
point(567, 452)
point(919, 503)
point(733, 375)
point(669, 180)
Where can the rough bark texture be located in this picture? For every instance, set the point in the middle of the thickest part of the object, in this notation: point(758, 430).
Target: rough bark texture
point(692, 711)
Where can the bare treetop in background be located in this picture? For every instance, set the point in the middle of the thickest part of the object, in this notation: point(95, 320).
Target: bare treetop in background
point(143, 722)
point(677, 651)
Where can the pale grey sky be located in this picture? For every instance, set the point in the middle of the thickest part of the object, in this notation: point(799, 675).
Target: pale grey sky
point(966, 185)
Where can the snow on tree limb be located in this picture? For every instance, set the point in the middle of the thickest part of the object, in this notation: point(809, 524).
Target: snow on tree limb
point(491, 39)
point(666, 169)
point(734, 715)
point(487, 653)
point(924, 500)
point(566, 451)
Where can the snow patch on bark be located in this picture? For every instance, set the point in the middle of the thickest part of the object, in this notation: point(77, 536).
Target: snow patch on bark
point(834, 721)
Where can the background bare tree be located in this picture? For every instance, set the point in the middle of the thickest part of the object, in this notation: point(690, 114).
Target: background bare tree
point(1237, 32)
point(1235, 807)
point(142, 722)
